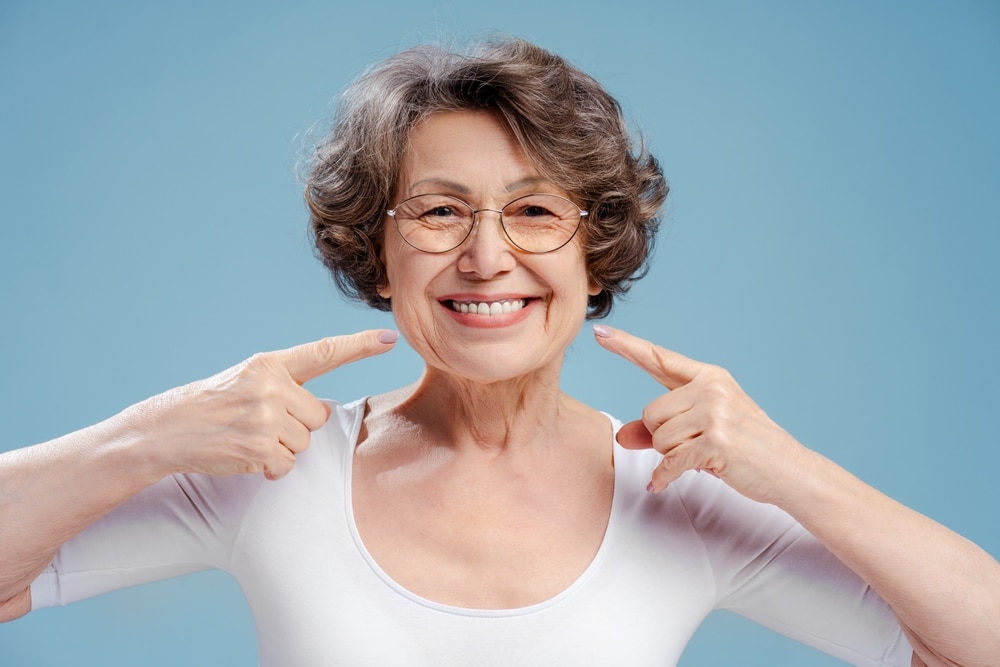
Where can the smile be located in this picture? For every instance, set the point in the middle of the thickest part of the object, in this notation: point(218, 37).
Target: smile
point(492, 308)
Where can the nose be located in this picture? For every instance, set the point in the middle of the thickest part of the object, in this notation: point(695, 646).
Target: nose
point(486, 252)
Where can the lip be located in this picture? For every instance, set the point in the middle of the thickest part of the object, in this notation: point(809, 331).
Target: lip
point(489, 321)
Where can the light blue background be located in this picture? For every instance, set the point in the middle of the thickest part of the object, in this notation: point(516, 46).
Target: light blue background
point(832, 238)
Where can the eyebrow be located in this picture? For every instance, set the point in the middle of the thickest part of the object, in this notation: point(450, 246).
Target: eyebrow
point(449, 185)
point(458, 187)
point(520, 183)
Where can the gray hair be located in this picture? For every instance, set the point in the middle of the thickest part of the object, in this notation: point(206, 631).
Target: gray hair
point(570, 128)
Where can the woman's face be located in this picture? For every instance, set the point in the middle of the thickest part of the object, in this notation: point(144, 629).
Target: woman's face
point(471, 156)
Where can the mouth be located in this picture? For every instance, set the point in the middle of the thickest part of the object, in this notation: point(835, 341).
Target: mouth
point(490, 308)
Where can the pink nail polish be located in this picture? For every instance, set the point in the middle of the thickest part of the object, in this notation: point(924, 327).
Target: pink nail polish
point(602, 331)
point(649, 488)
point(388, 337)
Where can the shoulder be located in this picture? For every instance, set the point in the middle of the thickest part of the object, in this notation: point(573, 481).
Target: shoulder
point(335, 439)
point(345, 418)
point(718, 514)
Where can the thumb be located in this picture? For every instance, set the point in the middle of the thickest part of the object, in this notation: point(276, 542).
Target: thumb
point(635, 435)
point(310, 360)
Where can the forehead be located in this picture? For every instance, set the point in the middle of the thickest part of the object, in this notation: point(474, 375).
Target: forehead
point(473, 152)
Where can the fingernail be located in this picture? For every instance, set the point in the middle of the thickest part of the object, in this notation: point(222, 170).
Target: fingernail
point(388, 337)
point(602, 331)
point(649, 488)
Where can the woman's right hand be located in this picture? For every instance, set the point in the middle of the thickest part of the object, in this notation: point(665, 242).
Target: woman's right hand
point(253, 417)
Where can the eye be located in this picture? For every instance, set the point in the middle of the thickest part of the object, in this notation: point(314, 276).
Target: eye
point(436, 213)
point(531, 211)
point(526, 210)
point(433, 210)
point(535, 211)
point(542, 209)
point(440, 212)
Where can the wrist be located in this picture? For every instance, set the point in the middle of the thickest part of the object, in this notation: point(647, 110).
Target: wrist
point(129, 442)
point(824, 495)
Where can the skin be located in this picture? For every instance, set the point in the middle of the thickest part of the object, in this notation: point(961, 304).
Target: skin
point(251, 418)
point(471, 156)
point(481, 442)
point(491, 396)
point(944, 589)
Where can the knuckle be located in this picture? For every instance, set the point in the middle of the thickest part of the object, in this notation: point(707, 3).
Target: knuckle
point(688, 460)
point(316, 420)
point(252, 451)
point(256, 362)
point(666, 471)
point(325, 349)
point(715, 375)
point(670, 461)
point(259, 397)
point(660, 443)
point(718, 428)
point(647, 415)
point(279, 465)
point(266, 417)
point(714, 421)
point(302, 444)
point(296, 440)
point(250, 372)
point(716, 386)
point(266, 363)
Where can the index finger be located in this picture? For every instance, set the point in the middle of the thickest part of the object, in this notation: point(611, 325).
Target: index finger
point(669, 368)
point(310, 360)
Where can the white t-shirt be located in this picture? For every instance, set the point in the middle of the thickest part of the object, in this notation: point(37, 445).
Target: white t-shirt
point(318, 597)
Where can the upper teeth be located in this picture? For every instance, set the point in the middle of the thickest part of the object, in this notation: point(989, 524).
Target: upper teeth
point(488, 308)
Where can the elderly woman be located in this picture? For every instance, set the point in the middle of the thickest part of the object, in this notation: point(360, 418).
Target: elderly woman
point(492, 201)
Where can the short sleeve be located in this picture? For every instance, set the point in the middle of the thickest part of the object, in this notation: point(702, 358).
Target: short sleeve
point(768, 568)
point(182, 524)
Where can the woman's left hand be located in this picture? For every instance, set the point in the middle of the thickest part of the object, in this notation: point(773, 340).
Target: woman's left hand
point(706, 422)
point(923, 570)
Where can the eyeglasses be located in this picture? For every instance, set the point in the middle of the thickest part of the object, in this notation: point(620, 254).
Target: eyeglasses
point(535, 223)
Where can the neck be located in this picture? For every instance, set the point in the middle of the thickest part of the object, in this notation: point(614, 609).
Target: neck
point(497, 416)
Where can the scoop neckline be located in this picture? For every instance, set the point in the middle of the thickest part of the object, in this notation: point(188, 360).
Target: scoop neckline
point(610, 530)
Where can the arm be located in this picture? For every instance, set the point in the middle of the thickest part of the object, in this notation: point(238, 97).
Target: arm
point(50, 492)
point(944, 590)
point(253, 417)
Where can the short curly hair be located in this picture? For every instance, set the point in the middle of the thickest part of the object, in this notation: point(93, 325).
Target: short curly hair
point(571, 129)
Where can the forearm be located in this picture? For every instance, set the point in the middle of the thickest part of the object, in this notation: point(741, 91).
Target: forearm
point(944, 589)
point(253, 417)
point(52, 491)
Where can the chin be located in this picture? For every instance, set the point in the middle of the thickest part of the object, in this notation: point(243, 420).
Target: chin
point(493, 364)
point(494, 349)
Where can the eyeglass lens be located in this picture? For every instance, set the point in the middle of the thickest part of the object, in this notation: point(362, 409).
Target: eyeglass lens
point(535, 223)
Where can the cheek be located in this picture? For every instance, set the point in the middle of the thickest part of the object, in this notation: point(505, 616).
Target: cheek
point(576, 289)
point(410, 321)
point(392, 257)
point(587, 285)
point(408, 278)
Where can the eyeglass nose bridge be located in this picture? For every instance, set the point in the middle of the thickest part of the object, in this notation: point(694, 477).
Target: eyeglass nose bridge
point(475, 224)
point(472, 213)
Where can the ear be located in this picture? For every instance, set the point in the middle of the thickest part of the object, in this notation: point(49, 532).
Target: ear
point(593, 289)
point(384, 290)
